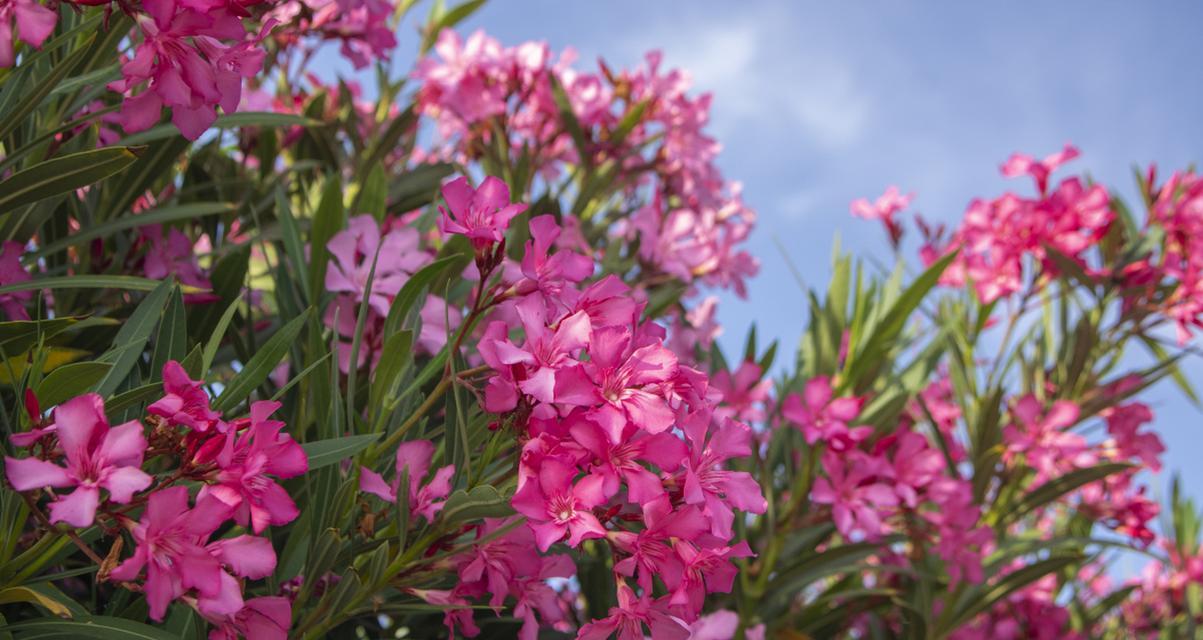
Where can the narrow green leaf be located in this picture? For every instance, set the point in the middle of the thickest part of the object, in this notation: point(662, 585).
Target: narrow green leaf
point(131, 340)
point(260, 366)
point(70, 380)
point(99, 627)
point(323, 453)
point(484, 501)
point(158, 215)
point(64, 174)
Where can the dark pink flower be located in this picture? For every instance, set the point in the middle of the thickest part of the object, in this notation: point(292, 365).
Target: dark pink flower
point(633, 614)
point(246, 467)
point(554, 506)
point(97, 457)
point(185, 402)
point(172, 546)
point(263, 618)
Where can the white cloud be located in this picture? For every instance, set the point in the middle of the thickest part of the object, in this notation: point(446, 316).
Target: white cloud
point(760, 67)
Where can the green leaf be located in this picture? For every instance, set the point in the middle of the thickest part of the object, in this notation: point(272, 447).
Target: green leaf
point(70, 380)
point(1057, 487)
point(484, 501)
point(884, 334)
point(323, 453)
point(158, 215)
point(414, 287)
point(328, 220)
point(99, 627)
point(227, 121)
point(171, 342)
point(219, 332)
point(64, 174)
point(568, 117)
point(394, 355)
point(260, 366)
point(126, 283)
point(38, 90)
point(131, 340)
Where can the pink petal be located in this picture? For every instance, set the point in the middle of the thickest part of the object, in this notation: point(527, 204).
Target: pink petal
point(26, 474)
point(247, 556)
point(124, 445)
point(124, 482)
point(78, 508)
point(371, 482)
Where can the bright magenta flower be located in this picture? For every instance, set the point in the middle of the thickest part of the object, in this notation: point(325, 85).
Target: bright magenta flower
point(554, 506)
point(172, 546)
point(623, 372)
point(858, 503)
point(185, 402)
point(705, 481)
point(97, 457)
point(632, 615)
point(820, 417)
point(651, 550)
point(425, 500)
point(617, 464)
point(480, 214)
point(246, 467)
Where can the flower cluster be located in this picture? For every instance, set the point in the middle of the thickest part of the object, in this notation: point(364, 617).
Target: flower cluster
point(643, 122)
point(191, 57)
point(997, 237)
point(622, 442)
point(98, 474)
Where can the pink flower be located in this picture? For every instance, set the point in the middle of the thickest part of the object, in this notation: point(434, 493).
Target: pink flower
point(622, 373)
point(1123, 423)
point(820, 417)
point(1043, 440)
point(172, 547)
point(245, 465)
point(543, 358)
point(707, 484)
point(706, 570)
point(1040, 170)
point(619, 463)
point(744, 393)
point(264, 618)
point(632, 615)
point(415, 456)
point(185, 402)
point(883, 209)
point(554, 506)
point(915, 465)
point(12, 272)
point(173, 255)
point(355, 250)
point(651, 553)
point(549, 273)
point(858, 500)
point(35, 23)
point(961, 542)
point(98, 457)
point(481, 214)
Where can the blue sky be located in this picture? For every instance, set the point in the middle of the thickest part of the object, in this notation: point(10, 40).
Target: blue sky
point(817, 103)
